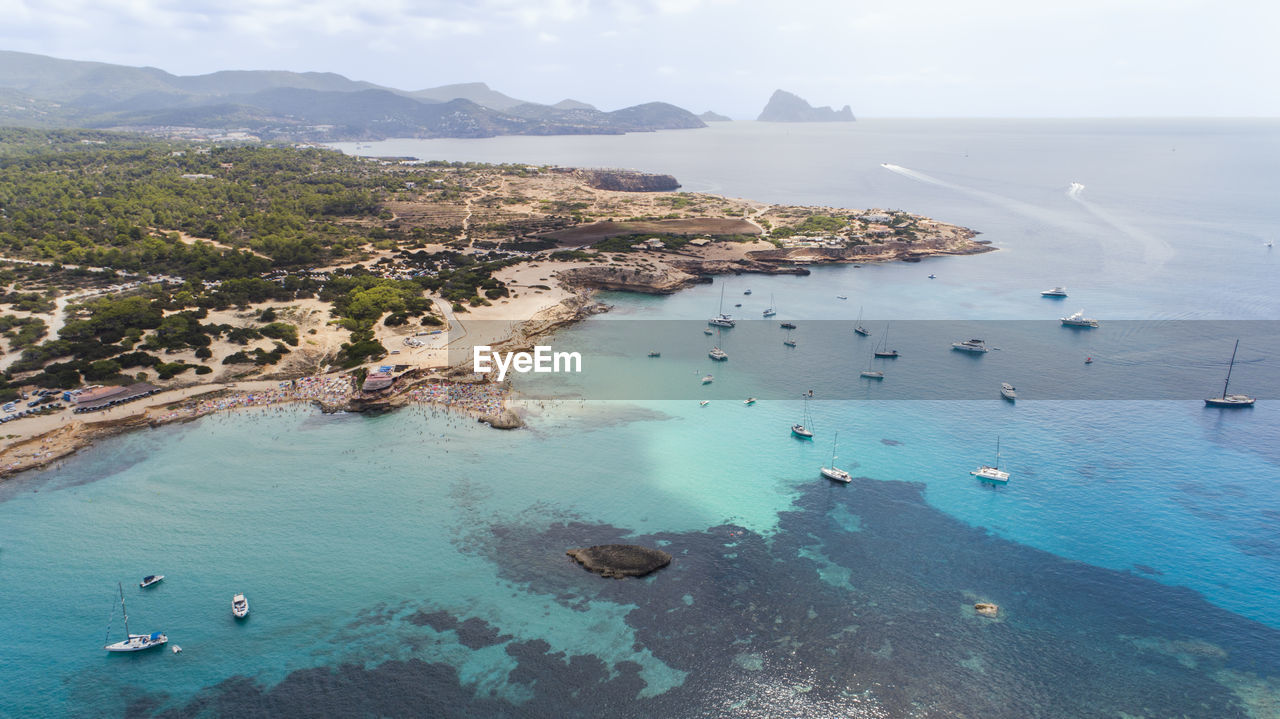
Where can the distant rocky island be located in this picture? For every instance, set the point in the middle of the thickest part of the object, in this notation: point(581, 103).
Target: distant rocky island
point(710, 116)
point(786, 107)
point(46, 92)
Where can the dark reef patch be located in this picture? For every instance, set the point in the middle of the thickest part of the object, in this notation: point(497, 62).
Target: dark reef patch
point(760, 632)
point(890, 442)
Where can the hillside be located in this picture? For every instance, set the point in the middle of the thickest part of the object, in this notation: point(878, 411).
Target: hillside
point(45, 92)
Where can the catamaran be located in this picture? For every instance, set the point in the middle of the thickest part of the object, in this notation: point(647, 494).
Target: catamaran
point(833, 473)
point(721, 319)
point(718, 354)
point(1079, 320)
point(1230, 400)
point(132, 642)
point(992, 473)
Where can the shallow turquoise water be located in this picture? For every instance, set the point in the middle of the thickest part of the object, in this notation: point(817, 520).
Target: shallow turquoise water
point(417, 552)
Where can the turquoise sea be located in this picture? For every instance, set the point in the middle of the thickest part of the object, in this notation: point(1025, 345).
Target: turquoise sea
point(412, 564)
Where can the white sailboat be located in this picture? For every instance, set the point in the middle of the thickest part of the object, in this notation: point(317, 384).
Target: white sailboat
point(859, 328)
point(834, 473)
point(770, 311)
point(721, 319)
point(872, 373)
point(132, 642)
point(992, 473)
point(803, 429)
point(1231, 400)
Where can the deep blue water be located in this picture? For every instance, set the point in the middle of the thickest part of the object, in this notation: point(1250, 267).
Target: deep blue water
point(413, 563)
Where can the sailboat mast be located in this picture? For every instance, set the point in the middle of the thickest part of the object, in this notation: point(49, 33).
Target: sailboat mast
point(1229, 368)
point(124, 610)
point(834, 441)
point(997, 451)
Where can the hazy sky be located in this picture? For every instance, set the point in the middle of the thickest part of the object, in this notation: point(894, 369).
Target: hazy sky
point(973, 58)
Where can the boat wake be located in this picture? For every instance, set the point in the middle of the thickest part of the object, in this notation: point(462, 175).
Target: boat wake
point(1155, 251)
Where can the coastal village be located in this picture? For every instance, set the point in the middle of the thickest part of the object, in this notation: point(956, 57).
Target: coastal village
point(549, 237)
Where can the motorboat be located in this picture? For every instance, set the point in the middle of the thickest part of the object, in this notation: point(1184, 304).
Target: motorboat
point(150, 579)
point(1055, 292)
point(704, 403)
point(841, 297)
point(706, 379)
point(749, 401)
point(133, 642)
point(787, 325)
point(1230, 400)
point(789, 342)
point(1008, 391)
point(974, 345)
point(872, 374)
point(746, 292)
point(933, 277)
point(655, 354)
point(1079, 320)
point(707, 332)
point(239, 606)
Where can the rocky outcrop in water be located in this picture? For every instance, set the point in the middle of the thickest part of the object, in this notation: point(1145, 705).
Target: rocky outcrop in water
point(620, 560)
point(506, 419)
point(786, 107)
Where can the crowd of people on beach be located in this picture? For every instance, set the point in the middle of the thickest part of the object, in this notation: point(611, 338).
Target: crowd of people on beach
point(332, 391)
point(479, 398)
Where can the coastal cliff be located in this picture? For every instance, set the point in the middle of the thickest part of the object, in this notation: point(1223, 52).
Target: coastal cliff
point(627, 279)
point(786, 107)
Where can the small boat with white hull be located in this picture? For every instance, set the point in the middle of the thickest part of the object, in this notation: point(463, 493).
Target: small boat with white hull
point(974, 345)
point(1079, 320)
point(1008, 391)
point(1230, 400)
point(718, 354)
point(1055, 292)
point(858, 326)
point(239, 606)
point(150, 579)
point(992, 473)
point(133, 642)
point(788, 325)
point(749, 401)
point(770, 311)
point(707, 379)
point(834, 473)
